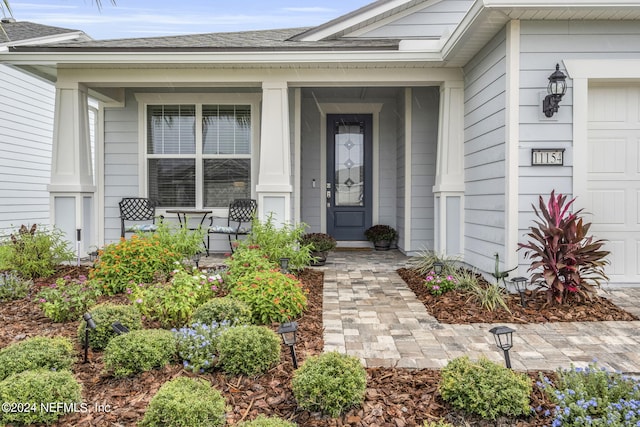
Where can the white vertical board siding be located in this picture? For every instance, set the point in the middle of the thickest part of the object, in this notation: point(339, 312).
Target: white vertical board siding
point(570, 40)
point(387, 163)
point(120, 162)
point(424, 140)
point(484, 151)
point(26, 134)
point(421, 22)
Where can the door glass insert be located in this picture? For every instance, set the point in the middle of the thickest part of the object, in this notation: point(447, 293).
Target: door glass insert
point(349, 164)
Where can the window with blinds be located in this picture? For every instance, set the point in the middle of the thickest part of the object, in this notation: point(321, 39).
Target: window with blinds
point(206, 167)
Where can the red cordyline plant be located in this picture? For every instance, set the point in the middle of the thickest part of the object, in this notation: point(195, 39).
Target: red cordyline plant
point(571, 262)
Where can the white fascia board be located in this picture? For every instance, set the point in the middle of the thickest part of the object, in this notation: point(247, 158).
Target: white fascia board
point(137, 58)
point(472, 15)
point(45, 40)
point(564, 4)
point(347, 21)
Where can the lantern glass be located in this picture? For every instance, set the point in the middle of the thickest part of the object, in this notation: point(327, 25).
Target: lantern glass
point(288, 331)
point(557, 82)
point(284, 265)
point(503, 336)
point(520, 283)
point(438, 267)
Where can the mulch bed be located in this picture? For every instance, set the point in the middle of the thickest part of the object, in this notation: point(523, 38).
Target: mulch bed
point(394, 397)
point(458, 307)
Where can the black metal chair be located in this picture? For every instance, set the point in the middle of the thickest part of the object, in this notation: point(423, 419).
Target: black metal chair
point(137, 209)
point(241, 213)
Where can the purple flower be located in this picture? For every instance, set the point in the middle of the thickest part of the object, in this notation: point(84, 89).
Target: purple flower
point(42, 300)
point(435, 287)
point(139, 301)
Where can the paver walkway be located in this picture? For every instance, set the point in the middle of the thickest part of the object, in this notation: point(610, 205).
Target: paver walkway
point(369, 312)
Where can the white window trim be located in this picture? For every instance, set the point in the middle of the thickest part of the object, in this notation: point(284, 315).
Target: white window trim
point(198, 99)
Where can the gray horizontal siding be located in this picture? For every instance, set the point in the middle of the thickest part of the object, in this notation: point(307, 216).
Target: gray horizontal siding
point(26, 133)
point(430, 21)
point(484, 150)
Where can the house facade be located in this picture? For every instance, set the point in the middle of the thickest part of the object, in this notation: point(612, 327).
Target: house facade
point(425, 115)
point(26, 128)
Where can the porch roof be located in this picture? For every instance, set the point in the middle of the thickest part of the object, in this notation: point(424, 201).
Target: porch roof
point(19, 32)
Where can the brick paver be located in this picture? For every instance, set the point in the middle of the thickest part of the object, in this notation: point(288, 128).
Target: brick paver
point(369, 312)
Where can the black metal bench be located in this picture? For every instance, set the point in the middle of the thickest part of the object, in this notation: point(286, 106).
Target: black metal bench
point(241, 213)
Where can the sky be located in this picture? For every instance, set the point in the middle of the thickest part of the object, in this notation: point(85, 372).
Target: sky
point(149, 18)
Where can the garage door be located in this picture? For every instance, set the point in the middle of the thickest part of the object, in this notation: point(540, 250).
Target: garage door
point(614, 176)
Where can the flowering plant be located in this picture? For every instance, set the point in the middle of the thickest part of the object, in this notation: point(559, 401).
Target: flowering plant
point(13, 286)
point(272, 296)
point(197, 345)
point(247, 260)
point(439, 285)
point(593, 396)
point(67, 298)
point(143, 256)
point(173, 302)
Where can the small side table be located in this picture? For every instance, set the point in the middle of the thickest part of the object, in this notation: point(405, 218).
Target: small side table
point(183, 218)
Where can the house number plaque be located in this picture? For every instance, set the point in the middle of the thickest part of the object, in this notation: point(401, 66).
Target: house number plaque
point(547, 157)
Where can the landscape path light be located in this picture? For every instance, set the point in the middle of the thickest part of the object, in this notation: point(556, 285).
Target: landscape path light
point(288, 332)
point(438, 266)
point(89, 324)
point(504, 341)
point(284, 265)
point(520, 284)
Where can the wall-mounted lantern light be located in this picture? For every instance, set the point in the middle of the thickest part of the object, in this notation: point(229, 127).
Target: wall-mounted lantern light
point(556, 89)
point(504, 341)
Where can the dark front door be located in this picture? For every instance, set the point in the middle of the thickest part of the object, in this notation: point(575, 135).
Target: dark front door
point(348, 188)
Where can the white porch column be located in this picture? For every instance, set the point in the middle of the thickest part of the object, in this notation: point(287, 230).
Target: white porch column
point(448, 190)
point(274, 179)
point(72, 188)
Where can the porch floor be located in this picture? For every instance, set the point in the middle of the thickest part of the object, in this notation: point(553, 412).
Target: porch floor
point(369, 312)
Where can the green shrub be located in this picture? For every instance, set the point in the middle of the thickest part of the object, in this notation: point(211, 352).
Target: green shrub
point(467, 278)
point(172, 303)
point(13, 286)
point(198, 345)
point(36, 352)
point(248, 350)
point(185, 402)
point(485, 388)
point(281, 241)
point(218, 310)
point(439, 423)
point(104, 315)
point(42, 395)
point(67, 299)
point(272, 296)
point(489, 296)
point(331, 382)
point(142, 257)
point(247, 260)
point(5, 255)
point(262, 421)
point(35, 252)
point(593, 396)
point(139, 351)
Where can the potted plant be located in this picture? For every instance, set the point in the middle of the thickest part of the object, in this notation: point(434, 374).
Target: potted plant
point(319, 244)
point(381, 235)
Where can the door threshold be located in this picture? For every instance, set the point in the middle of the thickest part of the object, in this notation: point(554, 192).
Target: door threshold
point(354, 244)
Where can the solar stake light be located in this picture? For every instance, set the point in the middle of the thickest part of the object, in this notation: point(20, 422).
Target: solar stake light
point(438, 266)
point(284, 265)
point(288, 332)
point(520, 284)
point(89, 324)
point(119, 328)
point(196, 259)
point(504, 341)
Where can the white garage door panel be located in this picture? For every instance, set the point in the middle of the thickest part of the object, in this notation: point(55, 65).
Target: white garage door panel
point(613, 186)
